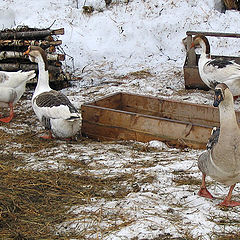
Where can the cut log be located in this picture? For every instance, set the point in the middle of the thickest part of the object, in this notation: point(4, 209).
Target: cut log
point(13, 67)
point(14, 54)
point(30, 34)
point(20, 43)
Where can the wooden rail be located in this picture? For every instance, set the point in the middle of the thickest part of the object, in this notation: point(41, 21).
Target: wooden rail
point(213, 34)
point(191, 55)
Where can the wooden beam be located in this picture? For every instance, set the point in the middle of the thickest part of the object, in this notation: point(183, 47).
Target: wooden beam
point(213, 34)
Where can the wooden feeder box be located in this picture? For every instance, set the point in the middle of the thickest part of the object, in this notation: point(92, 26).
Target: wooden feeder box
point(124, 116)
point(190, 68)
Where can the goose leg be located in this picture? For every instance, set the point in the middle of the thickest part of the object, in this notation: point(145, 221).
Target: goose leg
point(10, 117)
point(49, 136)
point(203, 192)
point(227, 201)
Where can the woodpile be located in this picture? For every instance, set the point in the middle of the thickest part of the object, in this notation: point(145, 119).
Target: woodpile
point(13, 43)
point(232, 4)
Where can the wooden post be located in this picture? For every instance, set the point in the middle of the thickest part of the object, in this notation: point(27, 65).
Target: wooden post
point(191, 55)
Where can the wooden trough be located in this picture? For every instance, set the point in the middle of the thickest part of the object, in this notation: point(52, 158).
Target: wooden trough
point(190, 68)
point(124, 116)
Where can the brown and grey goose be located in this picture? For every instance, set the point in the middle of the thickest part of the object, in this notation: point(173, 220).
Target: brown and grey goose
point(53, 109)
point(221, 161)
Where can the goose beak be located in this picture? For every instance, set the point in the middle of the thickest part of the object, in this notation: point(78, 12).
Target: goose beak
point(26, 52)
point(192, 45)
point(217, 98)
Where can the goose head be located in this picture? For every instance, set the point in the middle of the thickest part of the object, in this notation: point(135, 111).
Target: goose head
point(201, 41)
point(37, 54)
point(222, 94)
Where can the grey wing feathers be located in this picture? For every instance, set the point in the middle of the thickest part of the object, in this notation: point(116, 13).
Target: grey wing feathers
point(220, 62)
point(54, 99)
point(213, 138)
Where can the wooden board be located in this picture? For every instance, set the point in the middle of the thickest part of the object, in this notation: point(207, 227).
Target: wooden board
point(124, 116)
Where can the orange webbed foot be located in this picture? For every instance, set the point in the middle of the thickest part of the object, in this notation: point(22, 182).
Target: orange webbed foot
point(203, 192)
point(229, 203)
point(6, 119)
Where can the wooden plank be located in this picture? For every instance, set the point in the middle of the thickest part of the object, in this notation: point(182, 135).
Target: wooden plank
point(213, 34)
point(191, 54)
point(143, 125)
point(171, 109)
point(108, 133)
point(111, 101)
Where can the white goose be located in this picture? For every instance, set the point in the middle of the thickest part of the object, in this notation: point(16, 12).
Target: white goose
point(12, 87)
point(221, 161)
point(53, 109)
point(219, 70)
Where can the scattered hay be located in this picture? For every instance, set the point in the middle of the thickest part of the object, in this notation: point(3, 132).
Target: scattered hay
point(33, 203)
point(141, 74)
point(186, 180)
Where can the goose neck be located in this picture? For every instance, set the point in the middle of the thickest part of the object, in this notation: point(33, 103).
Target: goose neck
point(43, 77)
point(227, 115)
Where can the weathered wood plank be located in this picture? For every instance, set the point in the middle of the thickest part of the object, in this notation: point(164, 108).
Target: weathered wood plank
point(178, 110)
point(213, 34)
point(113, 101)
point(158, 128)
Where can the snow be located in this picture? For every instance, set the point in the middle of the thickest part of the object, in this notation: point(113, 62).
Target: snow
point(111, 44)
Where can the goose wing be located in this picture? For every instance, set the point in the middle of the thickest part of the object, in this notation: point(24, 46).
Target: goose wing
point(219, 70)
point(213, 138)
point(54, 104)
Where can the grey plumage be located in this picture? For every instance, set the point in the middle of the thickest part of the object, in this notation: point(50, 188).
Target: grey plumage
point(221, 161)
point(54, 99)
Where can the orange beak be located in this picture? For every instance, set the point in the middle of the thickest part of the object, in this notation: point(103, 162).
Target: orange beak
point(192, 45)
point(27, 52)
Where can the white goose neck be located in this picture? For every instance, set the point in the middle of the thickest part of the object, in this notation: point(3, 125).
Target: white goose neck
point(43, 77)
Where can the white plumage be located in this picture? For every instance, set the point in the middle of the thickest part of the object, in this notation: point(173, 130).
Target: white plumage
point(219, 70)
point(53, 109)
point(12, 87)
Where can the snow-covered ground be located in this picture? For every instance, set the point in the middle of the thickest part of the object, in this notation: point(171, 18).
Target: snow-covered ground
point(105, 48)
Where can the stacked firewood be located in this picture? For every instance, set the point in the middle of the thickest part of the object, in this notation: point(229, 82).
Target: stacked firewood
point(232, 4)
point(13, 43)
